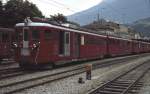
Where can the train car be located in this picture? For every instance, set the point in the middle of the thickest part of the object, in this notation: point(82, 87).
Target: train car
point(140, 46)
point(43, 43)
point(144, 47)
point(119, 46)
point(6, 39)
point(135, 47)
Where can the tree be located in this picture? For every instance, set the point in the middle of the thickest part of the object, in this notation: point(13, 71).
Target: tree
point(17, 10)
point(1, 6)
point(58, 18)
point(1, 13)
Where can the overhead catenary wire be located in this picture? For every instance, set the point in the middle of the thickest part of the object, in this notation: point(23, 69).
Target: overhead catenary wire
point(47, 3)
point(57, 5)
point(67, 6)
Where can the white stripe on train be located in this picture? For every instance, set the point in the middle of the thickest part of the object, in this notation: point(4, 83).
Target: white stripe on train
point(72, 30)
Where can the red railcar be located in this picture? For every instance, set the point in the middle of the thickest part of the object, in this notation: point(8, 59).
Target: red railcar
point(6, 39)
point(44, 43)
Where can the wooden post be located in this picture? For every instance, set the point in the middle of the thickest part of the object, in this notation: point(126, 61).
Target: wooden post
point(88, 68)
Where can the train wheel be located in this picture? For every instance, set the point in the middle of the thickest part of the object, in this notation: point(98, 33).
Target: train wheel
point(107, 56)
point(21, 65)
point(53, 65)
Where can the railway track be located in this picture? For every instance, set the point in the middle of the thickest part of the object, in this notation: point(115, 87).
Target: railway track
point(9, 70)
point(14, 72)
point(7, 62)
point(127, 83)
point(33, 82)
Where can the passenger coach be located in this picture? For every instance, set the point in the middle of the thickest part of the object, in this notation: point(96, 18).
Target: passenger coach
point(6, 39)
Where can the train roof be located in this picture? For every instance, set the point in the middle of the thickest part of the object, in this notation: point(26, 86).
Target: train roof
point(34, 24)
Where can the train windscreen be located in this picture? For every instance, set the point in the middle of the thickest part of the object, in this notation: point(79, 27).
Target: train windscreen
point(35, 35)
point(25, 34)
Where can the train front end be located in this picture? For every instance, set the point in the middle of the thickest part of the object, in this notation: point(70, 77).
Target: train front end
point(28, 45)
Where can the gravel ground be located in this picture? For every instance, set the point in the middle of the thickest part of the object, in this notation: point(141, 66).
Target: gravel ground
point(70, 85)
point(146, 87)
point(43, 73)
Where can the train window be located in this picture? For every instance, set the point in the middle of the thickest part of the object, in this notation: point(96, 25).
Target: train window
point(47, 35)
point(18, 35)
point(25, 35)
point(67, 38)
point(61, 43)
point(35, 35)
point(112, 41)
point(95, 41)
point(0, 36)
point(139, 45)
point(67, 44)
point(5, 37)
point(82, 40)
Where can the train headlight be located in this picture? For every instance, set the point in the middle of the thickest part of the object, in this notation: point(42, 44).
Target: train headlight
point(15, 45)
point(35, 45)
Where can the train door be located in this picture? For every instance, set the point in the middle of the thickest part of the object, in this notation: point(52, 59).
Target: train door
point(64, 43)
point(25, 48)
point(77, 45)
point(67, 44)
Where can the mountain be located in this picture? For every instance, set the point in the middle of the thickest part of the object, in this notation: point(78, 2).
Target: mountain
point(142, 26)
point(125, 11)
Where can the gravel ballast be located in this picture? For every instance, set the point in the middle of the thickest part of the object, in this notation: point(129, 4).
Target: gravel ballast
point(71, 86)
point(146, 87)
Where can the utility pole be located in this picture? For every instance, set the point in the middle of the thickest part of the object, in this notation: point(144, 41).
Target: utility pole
point(98, 17)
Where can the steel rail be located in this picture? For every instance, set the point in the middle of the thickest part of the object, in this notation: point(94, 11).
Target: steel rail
point(75, 72)
point(118, 77)
point(79, 71)
point(13, 73)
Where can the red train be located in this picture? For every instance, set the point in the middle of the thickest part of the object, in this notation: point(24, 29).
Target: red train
point(6, 37)
point(43, 43)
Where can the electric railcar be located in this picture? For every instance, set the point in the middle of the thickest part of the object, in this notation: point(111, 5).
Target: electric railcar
point(44, 43)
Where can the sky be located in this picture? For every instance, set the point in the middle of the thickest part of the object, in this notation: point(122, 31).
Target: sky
point(66, 7)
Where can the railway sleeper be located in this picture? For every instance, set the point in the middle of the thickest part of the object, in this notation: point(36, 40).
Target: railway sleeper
point(123, 82)
point(120, 87)
point(132, 92)
point(113, 89)
point(137, 86)
point(107, 92)
point(120, 83)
